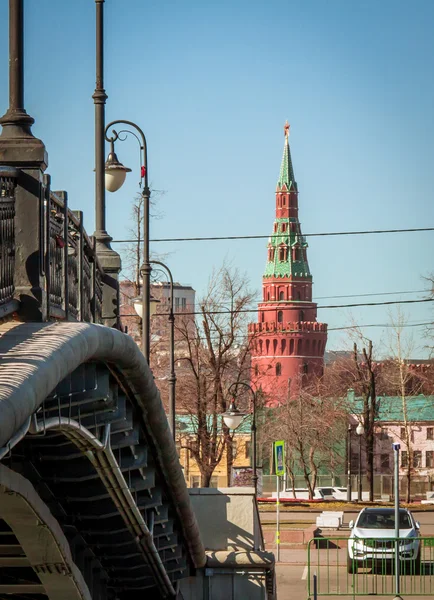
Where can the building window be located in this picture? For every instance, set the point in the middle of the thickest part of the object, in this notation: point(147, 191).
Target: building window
point(247, 449)
point(183, 303)
point(404, 437)
point(280, 316)
point(281, 295)
point(429, 459)
point(429, 433)
point(278, 370)
point(417, 459)
point(214, 481)
point(404, 459)
point(176, 303)
point(385, 462)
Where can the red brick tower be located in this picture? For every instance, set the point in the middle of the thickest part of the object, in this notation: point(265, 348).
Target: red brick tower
point(287, 342)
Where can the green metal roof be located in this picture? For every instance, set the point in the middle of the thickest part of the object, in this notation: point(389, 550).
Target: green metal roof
point(419, 408)
point(289, 267)
point(286, 176)
point(188, 424)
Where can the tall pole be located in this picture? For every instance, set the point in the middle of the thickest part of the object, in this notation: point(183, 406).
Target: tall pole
point(349, 486)
point(99, 98)
point(16, 122)
point(253, 433)
point(252, 430)
point(359, 494)
point(396, 448)
point(172, 374)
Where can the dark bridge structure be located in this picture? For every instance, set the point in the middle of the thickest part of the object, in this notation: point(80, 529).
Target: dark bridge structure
point(93, 502)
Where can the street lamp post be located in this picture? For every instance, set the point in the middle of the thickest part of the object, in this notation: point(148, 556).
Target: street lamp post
point(360, 430)
point(115, 173)
point(229, 420)
point(349, 485)
point(172, 374)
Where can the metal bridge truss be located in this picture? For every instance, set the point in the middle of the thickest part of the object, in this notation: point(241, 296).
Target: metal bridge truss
point(90, 459)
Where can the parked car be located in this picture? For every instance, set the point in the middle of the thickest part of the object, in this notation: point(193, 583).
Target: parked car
point(371, 540)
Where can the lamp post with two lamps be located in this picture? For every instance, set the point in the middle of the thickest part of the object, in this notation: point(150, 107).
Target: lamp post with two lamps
point(360, 430)
point(233, 417)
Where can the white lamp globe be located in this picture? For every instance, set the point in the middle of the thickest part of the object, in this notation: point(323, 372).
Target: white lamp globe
point(360, 430)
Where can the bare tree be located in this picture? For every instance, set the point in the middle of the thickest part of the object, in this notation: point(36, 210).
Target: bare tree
point(313, 426)
point(213, 352)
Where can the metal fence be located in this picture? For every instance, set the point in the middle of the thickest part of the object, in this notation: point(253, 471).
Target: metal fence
point(371, 569)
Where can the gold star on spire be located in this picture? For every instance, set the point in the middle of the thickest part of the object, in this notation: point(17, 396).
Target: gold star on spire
point(286, 129)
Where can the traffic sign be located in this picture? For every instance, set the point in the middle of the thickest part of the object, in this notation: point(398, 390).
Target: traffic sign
point(279, 457)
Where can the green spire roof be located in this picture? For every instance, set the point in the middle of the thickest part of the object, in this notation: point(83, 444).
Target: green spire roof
point(285, 266)
point(286, 171)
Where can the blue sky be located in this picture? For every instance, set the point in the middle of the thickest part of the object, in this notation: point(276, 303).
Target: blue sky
point(212, 84)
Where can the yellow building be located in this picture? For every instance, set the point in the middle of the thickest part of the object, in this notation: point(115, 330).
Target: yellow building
point(241, 448)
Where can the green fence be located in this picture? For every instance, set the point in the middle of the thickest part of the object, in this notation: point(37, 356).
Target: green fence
point(354, 567)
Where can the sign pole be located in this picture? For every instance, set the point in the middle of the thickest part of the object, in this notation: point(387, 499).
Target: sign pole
point(279, 466)
point(278, 518)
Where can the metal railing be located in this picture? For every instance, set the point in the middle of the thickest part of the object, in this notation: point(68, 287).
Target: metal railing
point(66, 275)
point(370, 571)
point(8, 182)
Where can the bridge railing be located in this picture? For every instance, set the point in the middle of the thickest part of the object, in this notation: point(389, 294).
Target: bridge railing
point(65, 272)
point(8, 181)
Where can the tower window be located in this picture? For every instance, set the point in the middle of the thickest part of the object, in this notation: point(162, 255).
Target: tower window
point(274, 346)
point(280, 316)
point(256, 370)
point(301, 317)
point(283, 227)
point(281, 295)
point(291, 346)
point(275, 227)
point(267, 347)
point(299, 347)
point(278, 369)
point(305, 368)
point(283, 346)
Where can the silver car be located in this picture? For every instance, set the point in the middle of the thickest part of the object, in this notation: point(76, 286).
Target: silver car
point(371, 540)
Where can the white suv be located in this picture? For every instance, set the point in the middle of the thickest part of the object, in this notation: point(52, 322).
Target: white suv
point(371, 541)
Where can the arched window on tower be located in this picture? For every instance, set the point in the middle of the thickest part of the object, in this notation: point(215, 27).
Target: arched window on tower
point(256, 370)
point(305, 368)
point(307, 347)
point(301, 316)
point(261, 346)
point(262, 317)
point(299, 347)
point(291, 346)
point(278, 369)
point(282, 253)
point(275, 228)
point(314, 347)
point(298, 296)
point(274, 347)
point(267, 347)
point(281, 295)
point(280, 316)
point(283, 347)
point(268, 295)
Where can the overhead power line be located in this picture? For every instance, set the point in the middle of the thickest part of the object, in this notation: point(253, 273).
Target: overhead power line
point(259, 237)
point(300, 307)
